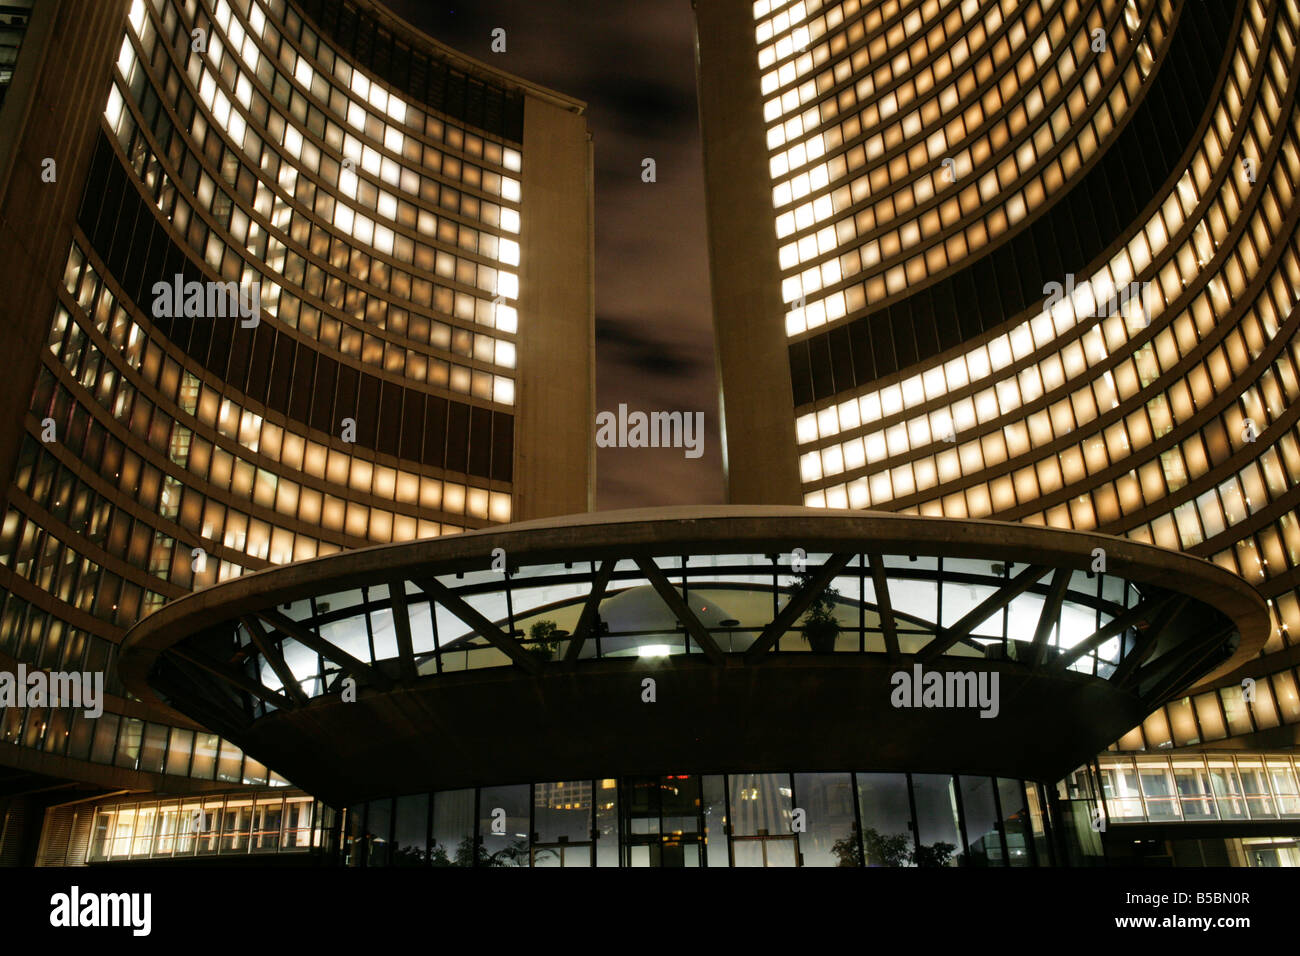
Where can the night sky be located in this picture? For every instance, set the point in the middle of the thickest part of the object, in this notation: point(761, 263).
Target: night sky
point(634, 65)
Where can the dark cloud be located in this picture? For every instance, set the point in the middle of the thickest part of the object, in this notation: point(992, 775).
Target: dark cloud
point(643, 106)
point(633, 63)
point(622, 342)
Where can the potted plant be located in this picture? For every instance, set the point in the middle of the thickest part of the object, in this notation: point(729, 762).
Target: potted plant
point(544, 637)
point(820, 626)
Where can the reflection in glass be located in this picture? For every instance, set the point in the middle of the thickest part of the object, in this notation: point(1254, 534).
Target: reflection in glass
point(562, 824)
point(298, 822)
point(886, 814)
point(662, 821)
point(168, 825)
point(761, 834)
point(1038, 821)
point(1015, 822)
point(208, 827)
point(410, 826)
point(1194, 791)
point(268, 814)
point(1158, 789)
point(503, 826)
point(1227, 789)
point(983, 840)
point(453, 828)
point(1283, 778)
point(606, 799)
point(379, 825)
point(830, 836)
point(1254, 783)
point(714, 811)
point(236, 824)
point(936, 819)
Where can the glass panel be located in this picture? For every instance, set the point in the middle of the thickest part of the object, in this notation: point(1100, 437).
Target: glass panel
point(1227, 789)
point(1123, 794)
point(1156, 728)
point(761, 834)
point(298, 823)
point(1254, 783)
point(348, 634)
point(378, 835)
point(1210, 716)
point(255, 773)
point(1288, 701)
point(1158, 789)
point(1266, 851)
point(1235, 709)
point(123, 833)
point(661, 826)
point(1282, 776)
point(411, 831)
point(191, 823)
point(607, 822)
point(354, 842)
point(562, 824)
point(105, 738)
point(230, 765)
point(268, 815)
point(169, 821)
point(205, 756)
point(207, 824)
point(178, 751)
point(1015, 822)
point(1183, 722)
point(145, 820)
point(830, 836)
point(1038, 821)
point(679, 820)
point(453, 828)
point(237, 823)
point(936, 819)
point(154, 748)
point(1195, 793)
point(886, 814)
point(382, 631)
point(714, 810)
point(983, 840)
point(79, 739)
point(1263, 705)
point(503, 825)
point(100, 835)
point(641, 625)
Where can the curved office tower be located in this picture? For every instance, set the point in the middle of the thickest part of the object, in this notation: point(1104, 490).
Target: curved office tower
point(282, 279)
point(1029, 261)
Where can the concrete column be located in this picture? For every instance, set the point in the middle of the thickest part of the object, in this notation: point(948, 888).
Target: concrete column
point(555, 395)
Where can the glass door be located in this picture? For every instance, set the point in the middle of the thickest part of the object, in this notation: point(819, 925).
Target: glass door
point(661, 822)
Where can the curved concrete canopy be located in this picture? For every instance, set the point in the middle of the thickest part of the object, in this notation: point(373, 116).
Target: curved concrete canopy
point(414, 726)
point(670, 530)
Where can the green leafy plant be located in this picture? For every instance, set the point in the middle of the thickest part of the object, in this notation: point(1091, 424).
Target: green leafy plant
point(883, 849)
point(542, 635)
point(820, 626)
point(515, 854)
point(936, 854)
point(467, 854)
point(847, 851)
point(411, 856)
point(886, 849)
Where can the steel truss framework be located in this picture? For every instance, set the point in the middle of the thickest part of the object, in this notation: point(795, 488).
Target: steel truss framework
point(415, 621)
